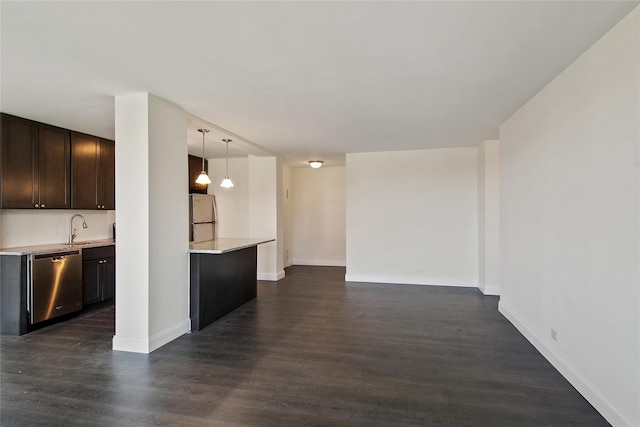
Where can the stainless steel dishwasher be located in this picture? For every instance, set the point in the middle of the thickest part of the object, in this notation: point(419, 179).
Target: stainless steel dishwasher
point(55, 285)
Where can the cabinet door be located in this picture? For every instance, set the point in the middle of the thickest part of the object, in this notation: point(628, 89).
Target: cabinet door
point(84, 171)
point(91, 282)
point(109, 285)
point(53, 165)
point(107, 175)
point(195, 167)
point(19, 163)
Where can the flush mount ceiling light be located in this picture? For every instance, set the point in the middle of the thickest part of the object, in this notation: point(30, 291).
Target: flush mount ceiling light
point(315, 163)
point(203, 178)
point(226, 182)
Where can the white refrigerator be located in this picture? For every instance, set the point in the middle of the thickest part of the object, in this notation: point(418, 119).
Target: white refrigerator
point(202, 217)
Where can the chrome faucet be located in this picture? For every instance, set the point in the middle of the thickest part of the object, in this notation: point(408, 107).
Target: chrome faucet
point(72, 231)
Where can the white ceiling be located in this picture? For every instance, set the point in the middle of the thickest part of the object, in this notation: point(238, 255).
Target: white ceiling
point(300, 79)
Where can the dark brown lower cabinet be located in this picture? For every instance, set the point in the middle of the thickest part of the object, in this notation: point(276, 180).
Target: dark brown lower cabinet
point(14, 313)
point(220, 283)
point(98, 274)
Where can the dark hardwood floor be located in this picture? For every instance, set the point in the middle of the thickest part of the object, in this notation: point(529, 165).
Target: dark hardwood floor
point(311, 350)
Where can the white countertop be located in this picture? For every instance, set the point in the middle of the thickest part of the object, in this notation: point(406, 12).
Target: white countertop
point(56, 247)
point(220, 246)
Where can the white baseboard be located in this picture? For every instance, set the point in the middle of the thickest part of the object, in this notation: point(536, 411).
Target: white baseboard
point(403, 280)
point(141, 345)
point(271, 277)
point(490, 290)
point(132, 345)
point(169, 334)
point(588, 390)
point(320, 262)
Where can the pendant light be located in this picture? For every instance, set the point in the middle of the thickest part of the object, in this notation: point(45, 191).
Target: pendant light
point(203, 178)
point(226, 182)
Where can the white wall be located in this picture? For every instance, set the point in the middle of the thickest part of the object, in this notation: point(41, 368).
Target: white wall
point(287, 192)
point(263, 214)
point(489, 217)
point(570, 222)
point(25, 227)
point(152, 306)
point(318, 235)
point(132, 216)
point(168, 223)
point(251, 208)
point(412, 217)
point(280, 260)
point(233, 203)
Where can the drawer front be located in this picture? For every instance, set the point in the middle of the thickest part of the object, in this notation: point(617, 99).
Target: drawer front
point(100, 252)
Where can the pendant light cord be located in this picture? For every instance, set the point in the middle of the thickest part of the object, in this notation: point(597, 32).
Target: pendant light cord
point(204, 132)
point(202, 150)
point(227, 162)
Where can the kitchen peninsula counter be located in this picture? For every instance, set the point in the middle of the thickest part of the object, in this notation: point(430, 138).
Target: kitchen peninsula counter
point(222, 277)
point(224, 245)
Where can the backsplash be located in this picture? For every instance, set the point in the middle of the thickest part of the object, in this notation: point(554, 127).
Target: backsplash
point(23, 227)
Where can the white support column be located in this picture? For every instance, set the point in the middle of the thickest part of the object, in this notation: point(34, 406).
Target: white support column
point(265, 216)
point(152, 306)
point(489, 217)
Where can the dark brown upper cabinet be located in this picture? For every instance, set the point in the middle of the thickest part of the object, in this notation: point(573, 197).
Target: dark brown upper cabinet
point(108, 173)
point(92, 172)
point(35, 165)
point(195, 167)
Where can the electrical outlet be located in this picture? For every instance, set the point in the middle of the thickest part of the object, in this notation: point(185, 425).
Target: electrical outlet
point(7, 230)
point(554, 334)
